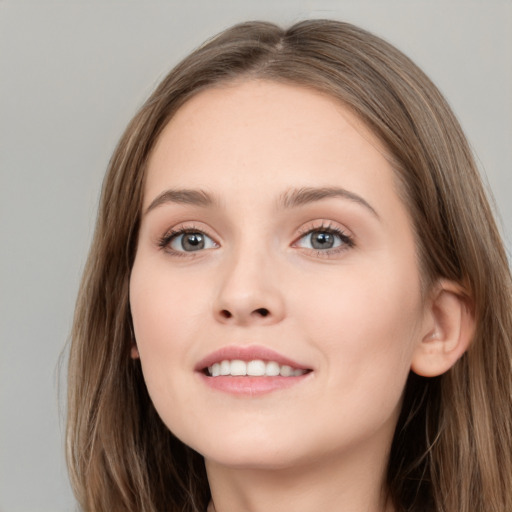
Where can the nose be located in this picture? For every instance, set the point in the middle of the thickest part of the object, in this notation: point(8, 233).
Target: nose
point(250, 292)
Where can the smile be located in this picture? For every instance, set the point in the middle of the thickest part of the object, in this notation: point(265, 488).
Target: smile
point(254, 368)
point(250, 371)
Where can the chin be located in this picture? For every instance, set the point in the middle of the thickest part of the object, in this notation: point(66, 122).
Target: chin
point(250, 451)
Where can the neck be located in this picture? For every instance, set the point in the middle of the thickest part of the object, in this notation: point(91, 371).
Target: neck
point(337, 485)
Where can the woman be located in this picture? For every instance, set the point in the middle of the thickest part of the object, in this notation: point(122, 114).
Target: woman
point(296, 296)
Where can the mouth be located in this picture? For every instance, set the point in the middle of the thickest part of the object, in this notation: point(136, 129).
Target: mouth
point(253, 368)
point(250, 370)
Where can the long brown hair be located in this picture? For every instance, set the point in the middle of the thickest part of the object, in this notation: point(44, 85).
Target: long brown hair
point(452, 449)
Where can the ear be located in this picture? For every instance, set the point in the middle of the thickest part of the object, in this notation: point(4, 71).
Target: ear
point(134, 351)
point(449, 329)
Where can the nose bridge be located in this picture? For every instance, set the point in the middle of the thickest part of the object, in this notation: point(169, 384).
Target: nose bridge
point(249, 290)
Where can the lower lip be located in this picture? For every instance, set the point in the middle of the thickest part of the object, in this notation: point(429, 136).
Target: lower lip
point(251, 386)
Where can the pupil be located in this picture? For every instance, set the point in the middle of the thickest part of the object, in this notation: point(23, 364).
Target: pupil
point(322, 240)
point(193, 242)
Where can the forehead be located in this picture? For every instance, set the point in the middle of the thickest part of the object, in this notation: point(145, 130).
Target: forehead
point(266, 135)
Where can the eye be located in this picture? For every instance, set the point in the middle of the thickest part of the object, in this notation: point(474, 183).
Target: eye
point(325, 239)
point(187, 240)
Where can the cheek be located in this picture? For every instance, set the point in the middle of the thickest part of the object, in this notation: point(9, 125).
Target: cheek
point(166, 311)
point(159, 298)
point(161, 306)
point(368, 324)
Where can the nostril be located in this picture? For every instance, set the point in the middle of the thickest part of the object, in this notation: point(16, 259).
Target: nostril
point(260, 312)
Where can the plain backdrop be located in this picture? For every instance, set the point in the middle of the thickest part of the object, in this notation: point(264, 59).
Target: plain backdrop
point(72, 73)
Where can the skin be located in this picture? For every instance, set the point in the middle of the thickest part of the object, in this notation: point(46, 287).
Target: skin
point(354, 316)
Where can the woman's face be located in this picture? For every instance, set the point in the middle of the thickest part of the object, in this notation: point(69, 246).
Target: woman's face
point(273, 240)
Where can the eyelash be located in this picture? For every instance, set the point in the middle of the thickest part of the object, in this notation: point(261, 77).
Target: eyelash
point(165, 241)
point(347, 242)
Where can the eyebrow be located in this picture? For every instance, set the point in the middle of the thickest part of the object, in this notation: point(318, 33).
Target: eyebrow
point(183, 196)
point(305, 195)
point(292, 198)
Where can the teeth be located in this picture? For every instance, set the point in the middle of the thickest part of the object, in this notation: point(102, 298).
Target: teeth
point(225, 368)
point(255, 368)
point(272, 369)
point(238, 367)
point(286, 371)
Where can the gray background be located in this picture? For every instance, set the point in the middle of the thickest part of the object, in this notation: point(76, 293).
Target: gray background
point(71, 75)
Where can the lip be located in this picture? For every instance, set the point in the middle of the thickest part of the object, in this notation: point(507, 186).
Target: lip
point(247, 385)
point(249, 353)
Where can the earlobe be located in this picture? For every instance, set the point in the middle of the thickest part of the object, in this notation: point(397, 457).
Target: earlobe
point(134, 351)
point(449, 333)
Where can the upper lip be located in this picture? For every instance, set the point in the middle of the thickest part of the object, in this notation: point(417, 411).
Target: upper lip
point(247, 353)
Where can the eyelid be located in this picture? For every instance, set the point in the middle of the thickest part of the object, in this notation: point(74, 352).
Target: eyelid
point(164, 241)
point(322, 225)
point(344, 236)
